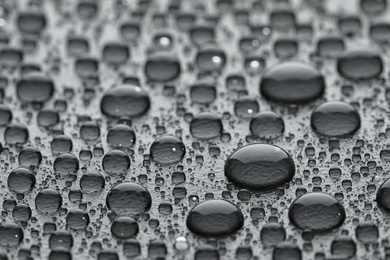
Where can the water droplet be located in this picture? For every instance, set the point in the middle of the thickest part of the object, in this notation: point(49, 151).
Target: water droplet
point(215, 218)
point(10, 234)
point(272, 234)
point(203, 93)
point(124, 228)
point(360, 64)
point(380, 32)
point(201, 35)
point(30, 156)
point(206, 126)
point(61, 240)
point(343, 246)
point(5, 115)
point(87, 9)
point(121, 136)
point(383, 194)
point(210, 59)
point(86, 67)
point(129, 198)
point(317, 211)
point(32, 22)
point(167, 150)
point(16, 133)
point(285, 48)
point(330, 46)
point(48, 118)
point(373, 7)
point(125, 100)
point(336, 119)
point(77, 219)
point(61, 144)
point(90, 131)
point(35, 87)
point(206, 252)
point(286, 250)
point(162, 68)
point(259, 166)
point(292, 82)
point(267, 124)
point(116, 161)
point(21, 181)
point(367, 232)
point(21, 214)
point(282, 19)
point(181, 244)
point(130, 31)
point(246, 107)
point(48, 201)
point(77, 45)
point(66, 163)
point(116, 53)
point(92, 182)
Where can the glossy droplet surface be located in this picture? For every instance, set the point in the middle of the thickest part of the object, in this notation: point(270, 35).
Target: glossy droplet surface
point(61, 240)
point(121, 136)
point(286, 250)
point(21, 180)
point(344, 246)
point(124, 228)
point(360, 64)
point(167, 150)
point(116, 53)
point(383, 195)
point(272, 234)
point(66, 163)
point(129, 198)
point(210, 59)
point(267, 124)
point(162, 68)
point(259, 166)
point(10, 234)
point(92, 182)
point(16, 133)
point(30, 156)
point(215, 218)
point(35, 87)
point(206, 126)
point(292, 82)
point(77, 219)
point(116, 161)
point(367, 232)
point(316, 211)
point(335, 118)
point(31, 22)
point(125, 100)
point(48, 201)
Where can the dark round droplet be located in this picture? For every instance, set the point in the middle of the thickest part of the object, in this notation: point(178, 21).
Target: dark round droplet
point(116, 161)
point(21, 213)
point(249, 44)
point(349, 25)
point(335, 118)
point(29, 67)
point(61, 144)
point(215, 218)
point(35, 87)
point(282, 19)
point(129, 199)
point(130, 31)
point(32, 22)
point(87, 67)
point(360, 64)
point(92, 182)
point(367, 232)
point(30, 156)
point(87, 9)
point(167, 150)
point(61, 240)
point(210, 59)
point(116, 53)
point(163, 41)
point(292, 82)
point(162, 68)
point(201, 35)
point(66, 163)
point(121, 136)
point(5, 115)
point(203, 93)
point(16, 133)
point(272, 234)
point(285, 48)
point(380, 32)
point(125, 100)
point(90, 131)
point(383, 195)
point(373, 7)
point(10, 57)
point(77, 45)
point(206, 126)
point(124, 228)
point(21, 181)
point(267, 124)
point(206, 253)
point(48, 118)
point(77, 219)
point(316, 211)
point(107, 255)
point(48, 201)
point(343, 246)
point(330, 47)
point(286, 251)
point(246, 107)
point(10, 234)
point(60, 255)
point(259, 166)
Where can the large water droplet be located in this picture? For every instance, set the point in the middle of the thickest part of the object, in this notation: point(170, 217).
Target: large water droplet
point(167, 150)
